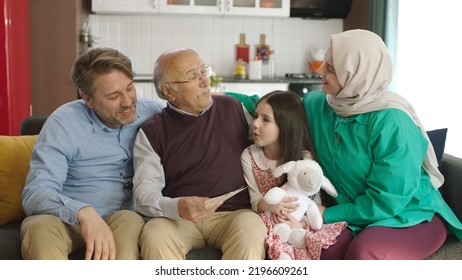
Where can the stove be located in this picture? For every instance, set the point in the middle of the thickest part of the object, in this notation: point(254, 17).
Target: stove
point(296, 76)
point(302, 83)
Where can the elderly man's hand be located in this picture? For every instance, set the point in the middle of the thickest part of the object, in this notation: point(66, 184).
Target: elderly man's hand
point(197, 209)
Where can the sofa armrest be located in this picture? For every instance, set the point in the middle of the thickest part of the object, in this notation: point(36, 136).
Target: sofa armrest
point(452, 187)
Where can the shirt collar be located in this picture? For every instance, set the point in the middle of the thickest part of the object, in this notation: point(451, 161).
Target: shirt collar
point(170, 105)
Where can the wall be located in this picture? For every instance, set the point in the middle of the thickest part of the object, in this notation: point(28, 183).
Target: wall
point(144, 37)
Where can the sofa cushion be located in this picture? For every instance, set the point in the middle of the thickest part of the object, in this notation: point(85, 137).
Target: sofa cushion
point(438, 139)
point(15, 152)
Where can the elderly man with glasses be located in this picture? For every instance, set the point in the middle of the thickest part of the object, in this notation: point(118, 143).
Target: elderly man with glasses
point(184, 158)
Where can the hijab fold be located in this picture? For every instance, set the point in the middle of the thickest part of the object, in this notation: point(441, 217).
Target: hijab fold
point(364, 69)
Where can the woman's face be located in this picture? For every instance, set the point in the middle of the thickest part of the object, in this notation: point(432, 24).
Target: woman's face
point(330, 83)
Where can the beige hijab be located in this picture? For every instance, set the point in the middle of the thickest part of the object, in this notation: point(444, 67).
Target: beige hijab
point(364, 69)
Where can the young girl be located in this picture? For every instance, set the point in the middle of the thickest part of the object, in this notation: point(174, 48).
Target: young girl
point(280, 134)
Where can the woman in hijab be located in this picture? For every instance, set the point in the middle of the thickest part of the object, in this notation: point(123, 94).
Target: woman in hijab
point(373, 148)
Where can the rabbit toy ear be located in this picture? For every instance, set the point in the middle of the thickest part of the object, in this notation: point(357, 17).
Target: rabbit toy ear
point(284, 168)
point(328, 187)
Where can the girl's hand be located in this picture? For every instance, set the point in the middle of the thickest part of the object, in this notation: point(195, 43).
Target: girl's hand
point(290, 220)
point(287, 204)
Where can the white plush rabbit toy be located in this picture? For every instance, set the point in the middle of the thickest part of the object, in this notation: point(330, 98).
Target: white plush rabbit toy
point(304, 179)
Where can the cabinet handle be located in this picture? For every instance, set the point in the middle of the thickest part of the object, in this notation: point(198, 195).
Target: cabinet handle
point(220, 5)
point(228, 5)
point(154, 4)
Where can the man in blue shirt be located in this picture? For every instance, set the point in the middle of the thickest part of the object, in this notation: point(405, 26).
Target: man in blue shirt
point(78, 191)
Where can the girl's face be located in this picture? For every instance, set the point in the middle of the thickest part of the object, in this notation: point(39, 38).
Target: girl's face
point(330, 83)
point(265, 131)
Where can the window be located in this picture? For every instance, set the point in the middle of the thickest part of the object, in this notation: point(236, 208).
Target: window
point(429, 61)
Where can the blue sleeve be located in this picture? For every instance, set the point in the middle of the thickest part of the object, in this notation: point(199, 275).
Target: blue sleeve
point(47, 174)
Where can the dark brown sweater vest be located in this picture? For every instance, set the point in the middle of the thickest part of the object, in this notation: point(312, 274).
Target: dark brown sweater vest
point(201, 156)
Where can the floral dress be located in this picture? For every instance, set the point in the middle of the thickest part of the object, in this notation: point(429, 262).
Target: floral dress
point(315, 240)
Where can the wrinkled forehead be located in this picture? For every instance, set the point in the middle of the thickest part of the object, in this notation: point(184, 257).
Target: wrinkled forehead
point(183, 62)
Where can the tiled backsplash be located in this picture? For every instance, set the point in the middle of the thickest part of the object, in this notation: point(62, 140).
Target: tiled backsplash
point(144, 37)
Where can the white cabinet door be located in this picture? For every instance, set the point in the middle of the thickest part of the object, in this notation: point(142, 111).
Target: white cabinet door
point(209, 7)
point(274, 8)
point(259, 89)
point(125, 6)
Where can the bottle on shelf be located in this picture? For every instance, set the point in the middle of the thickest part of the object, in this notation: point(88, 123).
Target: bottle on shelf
point(270, 71)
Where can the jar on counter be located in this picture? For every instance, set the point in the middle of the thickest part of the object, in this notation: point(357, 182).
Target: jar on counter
point(240, 71)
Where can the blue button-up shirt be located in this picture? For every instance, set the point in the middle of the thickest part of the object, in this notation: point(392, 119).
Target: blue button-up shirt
point(77, 161)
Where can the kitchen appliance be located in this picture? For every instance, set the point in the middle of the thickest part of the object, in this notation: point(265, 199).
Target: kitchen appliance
point(320, 8)
point(301, 84)
point(15, 85)
point(302, 88)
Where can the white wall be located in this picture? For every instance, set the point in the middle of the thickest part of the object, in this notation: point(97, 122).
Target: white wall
point(144, 37)
point(429, 61)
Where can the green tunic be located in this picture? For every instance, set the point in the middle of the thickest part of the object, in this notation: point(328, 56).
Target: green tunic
point(374, 160)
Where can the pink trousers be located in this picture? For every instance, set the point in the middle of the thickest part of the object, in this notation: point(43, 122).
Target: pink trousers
point(384, 243)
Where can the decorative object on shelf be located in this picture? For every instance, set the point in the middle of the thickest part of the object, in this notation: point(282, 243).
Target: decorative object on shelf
point(317, 59)
point(240, 71)
point(262, 50)
point(255, 69)
point(242, 49)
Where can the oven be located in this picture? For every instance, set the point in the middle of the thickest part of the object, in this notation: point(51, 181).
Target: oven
point(301, 83)
point(302, 88)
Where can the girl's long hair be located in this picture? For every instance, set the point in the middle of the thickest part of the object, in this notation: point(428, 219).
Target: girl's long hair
point(289, 115)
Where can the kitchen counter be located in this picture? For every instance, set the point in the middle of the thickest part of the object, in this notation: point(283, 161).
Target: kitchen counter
point(145, 86)
point(284, 80)
point(146, 78)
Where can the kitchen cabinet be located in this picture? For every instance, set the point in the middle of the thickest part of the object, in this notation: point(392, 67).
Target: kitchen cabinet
point(228, 7)
point(275, 8)
point(125, 6)
point(209, 7)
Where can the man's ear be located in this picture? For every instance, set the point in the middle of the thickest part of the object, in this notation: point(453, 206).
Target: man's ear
point(87, 99)
point(167, 91)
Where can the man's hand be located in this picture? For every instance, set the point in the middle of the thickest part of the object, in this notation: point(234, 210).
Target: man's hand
point(98, 236)
point(196, 209)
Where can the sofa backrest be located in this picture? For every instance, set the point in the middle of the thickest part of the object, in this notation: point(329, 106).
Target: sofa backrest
point(32, 125)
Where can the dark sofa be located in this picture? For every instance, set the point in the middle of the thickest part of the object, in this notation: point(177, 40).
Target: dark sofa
point(451, 191)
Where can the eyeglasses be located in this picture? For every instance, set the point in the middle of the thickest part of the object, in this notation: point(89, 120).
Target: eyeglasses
point(205, 71)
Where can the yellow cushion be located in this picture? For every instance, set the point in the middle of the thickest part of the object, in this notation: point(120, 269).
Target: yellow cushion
point(15, 152)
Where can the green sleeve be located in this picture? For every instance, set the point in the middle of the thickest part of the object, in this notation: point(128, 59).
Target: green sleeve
point(249, 102)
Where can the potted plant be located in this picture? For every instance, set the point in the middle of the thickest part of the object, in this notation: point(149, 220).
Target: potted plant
point(215, 82)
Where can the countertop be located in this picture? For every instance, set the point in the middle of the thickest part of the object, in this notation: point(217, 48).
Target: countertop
point(230, 79)
point(272, 80)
